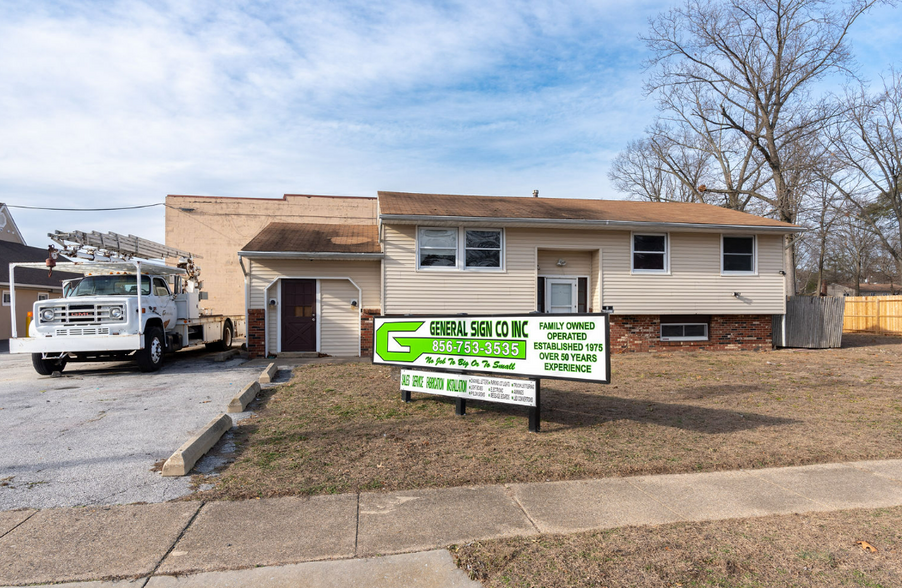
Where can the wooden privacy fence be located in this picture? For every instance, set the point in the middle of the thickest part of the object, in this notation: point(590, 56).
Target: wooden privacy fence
point(879, 315)
point(814, 322)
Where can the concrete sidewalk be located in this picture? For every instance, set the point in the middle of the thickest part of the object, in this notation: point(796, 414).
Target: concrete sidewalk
point(162, 541)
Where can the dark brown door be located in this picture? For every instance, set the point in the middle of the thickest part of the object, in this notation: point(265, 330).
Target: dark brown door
point(298, 315)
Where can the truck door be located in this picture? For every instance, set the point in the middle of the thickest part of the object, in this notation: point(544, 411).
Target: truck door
point(164, 303)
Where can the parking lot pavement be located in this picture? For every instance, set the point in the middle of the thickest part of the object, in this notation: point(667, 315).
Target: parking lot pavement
point(94, 435)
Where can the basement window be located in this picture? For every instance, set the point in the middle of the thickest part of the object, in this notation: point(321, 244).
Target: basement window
point(690, 328)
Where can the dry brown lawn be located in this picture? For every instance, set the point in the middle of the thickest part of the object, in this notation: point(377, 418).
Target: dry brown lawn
point(818, 550)
point(343, 428)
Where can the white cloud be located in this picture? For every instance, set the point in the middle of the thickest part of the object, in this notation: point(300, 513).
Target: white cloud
point(124, 102)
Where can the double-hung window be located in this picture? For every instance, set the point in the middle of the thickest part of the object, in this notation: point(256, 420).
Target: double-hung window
point(737, 255)
point(649, 253)
point(460, 248)
point(437, 247)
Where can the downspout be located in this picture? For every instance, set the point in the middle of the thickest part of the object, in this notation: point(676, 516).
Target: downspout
point(246, 289)
point(382, 267)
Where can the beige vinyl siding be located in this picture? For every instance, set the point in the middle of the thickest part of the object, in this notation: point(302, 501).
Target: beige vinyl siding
point(579, 263)
point(366, 274)
point(339, 322)
point(693, 286)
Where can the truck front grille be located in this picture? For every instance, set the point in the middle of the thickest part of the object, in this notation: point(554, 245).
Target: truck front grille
point(83, 314)
point(76, 332)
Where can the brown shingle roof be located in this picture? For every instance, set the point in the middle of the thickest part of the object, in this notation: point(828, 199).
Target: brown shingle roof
point(316, 238)
point(567, 209)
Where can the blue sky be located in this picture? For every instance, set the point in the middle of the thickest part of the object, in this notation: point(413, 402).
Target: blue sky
point(120, 103)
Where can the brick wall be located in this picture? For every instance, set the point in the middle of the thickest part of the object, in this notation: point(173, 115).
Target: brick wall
point(256, 332)
point(366, 330)
point(631, 333)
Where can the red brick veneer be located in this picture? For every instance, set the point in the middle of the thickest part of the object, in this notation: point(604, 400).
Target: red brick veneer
point(366, 330)
point(725, 332)
point(256, 332)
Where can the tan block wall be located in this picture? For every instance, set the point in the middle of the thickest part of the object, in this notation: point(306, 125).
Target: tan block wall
point(217, 227)
point(25, 299)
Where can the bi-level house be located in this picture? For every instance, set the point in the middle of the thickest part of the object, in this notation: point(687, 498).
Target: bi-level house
point(677, 275)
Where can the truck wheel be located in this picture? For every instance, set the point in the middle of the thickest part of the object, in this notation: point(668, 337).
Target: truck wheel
point(225, 343)
point(46, 367)
point(150, 359)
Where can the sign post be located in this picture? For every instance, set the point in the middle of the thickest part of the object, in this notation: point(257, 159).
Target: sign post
point(563, 346)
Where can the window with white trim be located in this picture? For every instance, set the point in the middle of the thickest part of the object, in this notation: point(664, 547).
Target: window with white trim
point(460, 248)
point(649, 253)
point(737, 254)
point(684, 331)
point(7, 298)
point(437, 247)
point(43, 296)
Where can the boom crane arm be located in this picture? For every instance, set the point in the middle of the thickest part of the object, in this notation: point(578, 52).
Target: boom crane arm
point(97, 246)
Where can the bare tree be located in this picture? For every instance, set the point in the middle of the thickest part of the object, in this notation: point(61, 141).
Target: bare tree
point(757, 61)
point(866, 148)
point(659, 171)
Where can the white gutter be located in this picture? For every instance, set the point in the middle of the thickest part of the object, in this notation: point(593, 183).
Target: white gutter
point(307, 255)
point(577, 223)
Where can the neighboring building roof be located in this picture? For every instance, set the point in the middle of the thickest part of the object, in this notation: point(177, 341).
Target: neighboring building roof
point(876, 289)
point(8, 229)
point(17, 252)
point(315, 238)
point(400, 206)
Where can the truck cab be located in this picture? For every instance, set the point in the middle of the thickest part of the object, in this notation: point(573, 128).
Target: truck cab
point(123, 307)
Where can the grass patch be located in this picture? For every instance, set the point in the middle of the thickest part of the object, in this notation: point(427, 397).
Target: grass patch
point(817, 549)
point(343, 428)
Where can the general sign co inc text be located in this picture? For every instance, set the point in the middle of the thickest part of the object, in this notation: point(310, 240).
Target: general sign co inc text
point(573, 346)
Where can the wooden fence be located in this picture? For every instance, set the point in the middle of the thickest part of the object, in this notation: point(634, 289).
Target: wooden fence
point(814, 322)
point(879, 315)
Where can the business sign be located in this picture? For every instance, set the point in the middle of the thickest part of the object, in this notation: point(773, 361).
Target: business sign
point(565, 346)
point(506, 391)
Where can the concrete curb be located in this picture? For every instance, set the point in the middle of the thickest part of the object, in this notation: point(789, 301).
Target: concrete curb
point(244, 397)
point(225, 355)
point(181, 462)
point(268, 374)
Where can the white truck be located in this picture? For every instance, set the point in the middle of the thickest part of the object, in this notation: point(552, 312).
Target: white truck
point(125, 306)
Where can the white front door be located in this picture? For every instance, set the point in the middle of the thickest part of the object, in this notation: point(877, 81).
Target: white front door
point(560, 295)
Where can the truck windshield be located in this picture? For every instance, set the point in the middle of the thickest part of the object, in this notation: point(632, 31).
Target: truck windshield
point(121, 285)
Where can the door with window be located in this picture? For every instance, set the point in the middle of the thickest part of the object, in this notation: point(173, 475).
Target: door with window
point(165, 303)
point(298, 315)
point(560, 295)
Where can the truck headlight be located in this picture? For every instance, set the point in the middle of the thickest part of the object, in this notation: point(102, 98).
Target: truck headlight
point(116, 313)
point(47, 314)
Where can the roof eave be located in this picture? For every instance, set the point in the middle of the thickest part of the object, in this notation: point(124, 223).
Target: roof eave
point(308, 255)
point(411, 219)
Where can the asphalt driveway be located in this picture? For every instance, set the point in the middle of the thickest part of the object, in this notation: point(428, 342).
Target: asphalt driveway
point(93, 435)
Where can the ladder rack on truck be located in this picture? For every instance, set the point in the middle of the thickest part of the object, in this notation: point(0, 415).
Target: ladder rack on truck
point(124, 307)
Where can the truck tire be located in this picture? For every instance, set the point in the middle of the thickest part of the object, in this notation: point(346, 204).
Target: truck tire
point(150, 359)
point(225, 343)
point(46, 367)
